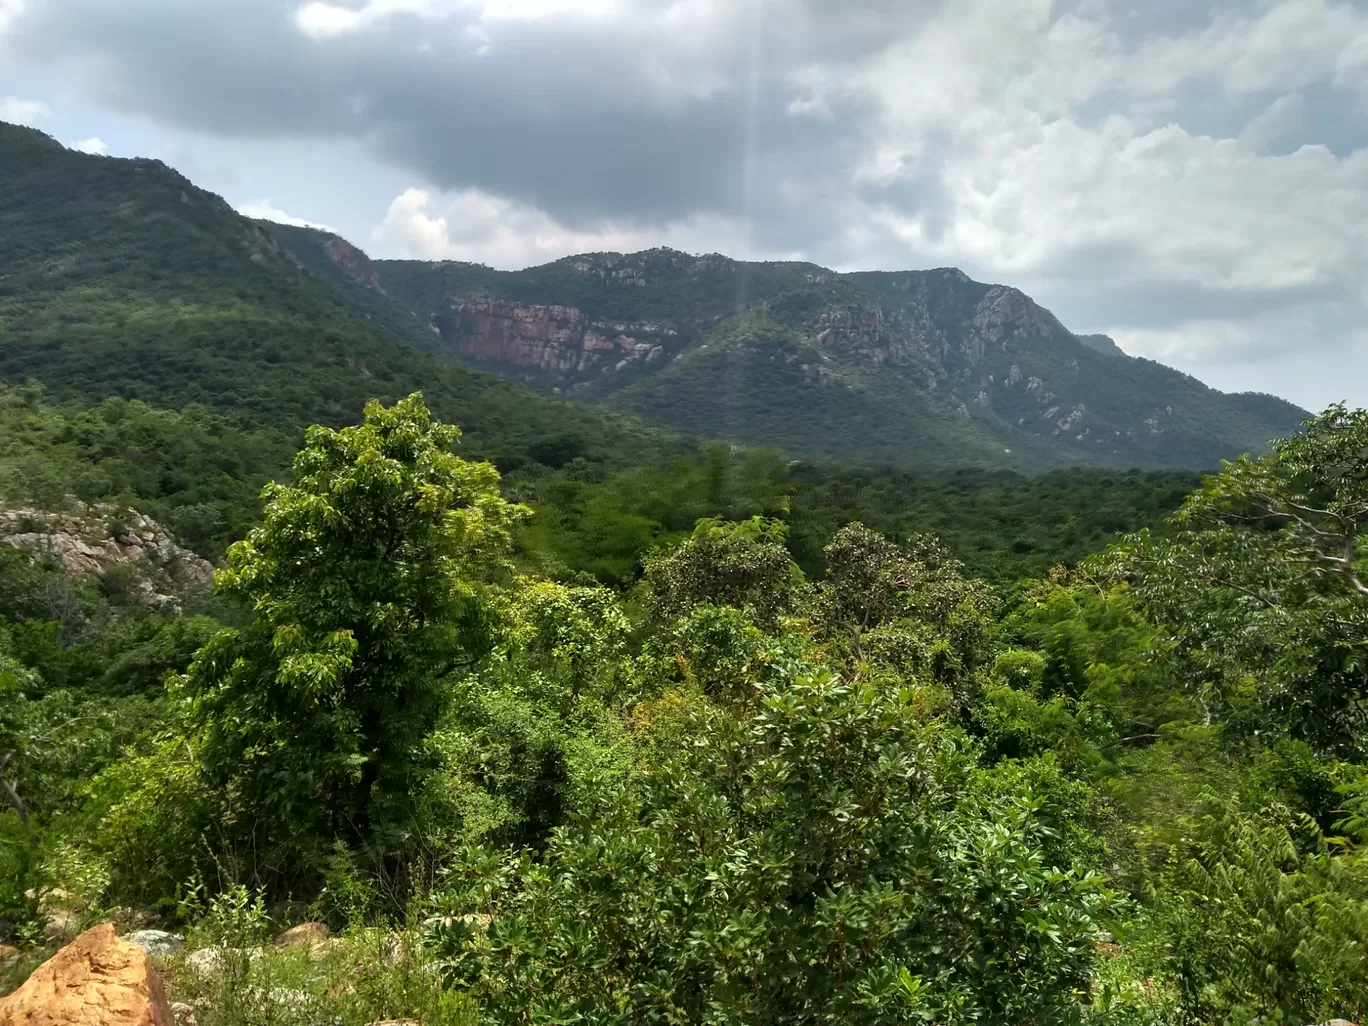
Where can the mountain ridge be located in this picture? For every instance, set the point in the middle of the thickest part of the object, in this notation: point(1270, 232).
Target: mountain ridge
point(121, 277)
point(642, 331)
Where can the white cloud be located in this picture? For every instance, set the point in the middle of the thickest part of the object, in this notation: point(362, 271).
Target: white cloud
point(9, 10)
point(1285, 46)
point(1282, 116)
point(476, 226)
point(264, 210)
point(328, 21)
point(531, 9)
point(94, 145)
point(22, 112)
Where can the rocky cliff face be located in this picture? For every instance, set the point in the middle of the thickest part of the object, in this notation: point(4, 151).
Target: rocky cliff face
point(93, 540)
point(558, 342)
point(934, 343)
point(354, 263)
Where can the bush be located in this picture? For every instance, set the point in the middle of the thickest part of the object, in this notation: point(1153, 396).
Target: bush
point(815, 858)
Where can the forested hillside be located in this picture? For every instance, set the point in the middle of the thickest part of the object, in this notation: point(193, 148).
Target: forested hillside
point(924, 369)
point(507, 709)
point(789, 768)
point(120, 278)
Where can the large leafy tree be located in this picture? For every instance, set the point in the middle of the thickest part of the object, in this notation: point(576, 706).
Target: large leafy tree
point(369, 582)
point(1262, 586)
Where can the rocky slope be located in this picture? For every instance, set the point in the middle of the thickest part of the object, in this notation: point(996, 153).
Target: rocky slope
point(925, 368)
point(120, 277)
point(102, 540)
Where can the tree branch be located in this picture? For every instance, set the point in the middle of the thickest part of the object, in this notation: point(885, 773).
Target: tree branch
point(9, 790)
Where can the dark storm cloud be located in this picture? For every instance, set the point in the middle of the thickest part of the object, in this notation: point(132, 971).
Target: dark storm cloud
point(861, 133)
point(560, 113)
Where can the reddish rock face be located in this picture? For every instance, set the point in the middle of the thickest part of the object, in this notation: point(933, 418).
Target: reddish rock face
point(353, 262)
point(96, 980)
point(554, 339)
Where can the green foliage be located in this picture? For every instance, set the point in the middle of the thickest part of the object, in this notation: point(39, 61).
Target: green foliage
point(911, 601)
point(1260, 586)
point(121, 278)
point(880, 791)
point(196, 472)
point(1002, 525)
point(605, 525)
point(367, 581)
point(1256, 919)
point(743, 565)
point(754, 878)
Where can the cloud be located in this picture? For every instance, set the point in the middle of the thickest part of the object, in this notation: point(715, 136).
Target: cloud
point(94, 145)
point(327, 21)
point(478, 227)
point(264, 210)
point(22, 112)
point(1277, 121)
point(9, 10)
point(1189, 176)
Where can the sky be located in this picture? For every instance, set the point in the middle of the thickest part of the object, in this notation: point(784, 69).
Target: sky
point(1188, 177)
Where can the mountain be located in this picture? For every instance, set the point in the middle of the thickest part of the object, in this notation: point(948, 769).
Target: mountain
point(915, 368)
point(121, 278)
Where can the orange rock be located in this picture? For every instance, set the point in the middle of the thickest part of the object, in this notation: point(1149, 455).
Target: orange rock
point(8, 954)
point(305, 935)
point(96, 980)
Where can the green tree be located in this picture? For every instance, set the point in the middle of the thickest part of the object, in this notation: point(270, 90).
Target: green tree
point(815, 858)
point(743, 565)
point(370, 582)
point(908, 607)
point(1259, 921)
point(1261, 588)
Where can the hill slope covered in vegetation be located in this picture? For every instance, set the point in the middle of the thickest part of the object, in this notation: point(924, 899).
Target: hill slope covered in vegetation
point(872, 791)
point(121, 278)
point(917, 369)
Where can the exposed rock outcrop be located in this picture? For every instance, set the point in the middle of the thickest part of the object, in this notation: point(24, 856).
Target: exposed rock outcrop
point(156, 942)
point(353, 263)
point(305, 935)
point(96, 980)
point(1008, 314)
point(97, 539)
point(856, 329)
point(556, 340)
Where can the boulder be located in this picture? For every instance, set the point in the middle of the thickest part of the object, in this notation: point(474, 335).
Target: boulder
point(207, 963)
point(305, 935)
point(156, 942)
point(326, 948)
point(8, 955)
point(61, 925)
point(184, 1014)
point(96, 980)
